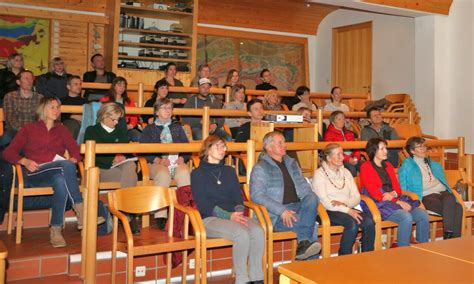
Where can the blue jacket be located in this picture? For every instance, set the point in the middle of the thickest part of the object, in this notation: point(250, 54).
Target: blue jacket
point(409, 175)
point(266, 184)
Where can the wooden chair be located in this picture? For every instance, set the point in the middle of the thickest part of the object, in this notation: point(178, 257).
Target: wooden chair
point(143, 200)
point(380, 225)
point(21, 192)
point(210, 243)
point(272, 236)
point(3, 262)
point(327, 231)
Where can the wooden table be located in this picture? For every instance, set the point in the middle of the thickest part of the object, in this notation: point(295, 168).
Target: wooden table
point(460, 248)
point(400, 265)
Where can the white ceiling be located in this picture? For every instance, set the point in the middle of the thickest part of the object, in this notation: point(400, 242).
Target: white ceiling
point(369, 7)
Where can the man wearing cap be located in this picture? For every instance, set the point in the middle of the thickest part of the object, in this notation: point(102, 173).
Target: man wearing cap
point(198, 101)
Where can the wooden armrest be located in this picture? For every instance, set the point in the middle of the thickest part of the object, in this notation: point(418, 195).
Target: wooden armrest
point(429, 136)
point(144, 167)
point(257, 211)
point(372, 208)
point(323, 215)
point(459, 200)
point(123, 218)
point(193, 214)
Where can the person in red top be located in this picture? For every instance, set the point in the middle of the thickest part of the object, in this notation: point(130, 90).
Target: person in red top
point(36, 147)
point(337, 132)
point(379, 181)
point(118, 93)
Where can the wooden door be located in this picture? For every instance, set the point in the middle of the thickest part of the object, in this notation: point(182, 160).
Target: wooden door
point(352, 58)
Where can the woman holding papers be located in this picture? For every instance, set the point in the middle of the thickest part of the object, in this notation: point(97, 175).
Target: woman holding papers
point(164, 167)
point(108, 130)
point(35, 147)
point(335, 187)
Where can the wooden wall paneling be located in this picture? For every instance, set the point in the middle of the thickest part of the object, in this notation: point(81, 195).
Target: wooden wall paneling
point(295, 16)
point(96, 42)
point(69, 40)
point(430, 6)
point(98, 6)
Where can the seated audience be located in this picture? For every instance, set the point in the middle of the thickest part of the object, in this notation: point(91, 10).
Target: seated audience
point(179, 99)
point(233, 78)
point(379, 128)
point(337, 132)
point(302, 93)
point(53, 83)
point(272, 101)
point(118, 94)
point(419, 174)
point(216, 191)
point(204, 71)
point(237, 102)
point(336, 98)
point(379, 181)
point(164, 167)
point(35, 147)
point(335, 187)
point(198, 101)
point(19, 106)
point(8, 75)
point(256, 114)
point(113, 168)
point(160, 91)
point(266, 78)
point(98, 75)
point(277, 183)
point(73, 121)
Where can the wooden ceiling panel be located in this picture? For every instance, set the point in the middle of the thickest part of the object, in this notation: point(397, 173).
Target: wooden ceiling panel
point(430, 6)
point(277, 15)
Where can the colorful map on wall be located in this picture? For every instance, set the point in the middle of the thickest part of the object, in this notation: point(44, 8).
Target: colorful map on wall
point(27, 36)
point(286, 61)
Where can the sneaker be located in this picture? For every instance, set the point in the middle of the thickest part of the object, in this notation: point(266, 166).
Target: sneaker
point(307, 249)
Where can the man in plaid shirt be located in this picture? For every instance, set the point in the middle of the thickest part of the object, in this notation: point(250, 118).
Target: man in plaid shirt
point(20, 106)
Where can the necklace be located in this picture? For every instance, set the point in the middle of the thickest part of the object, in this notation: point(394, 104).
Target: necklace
point(428, 169)
point(218, 178)
point(333, 184)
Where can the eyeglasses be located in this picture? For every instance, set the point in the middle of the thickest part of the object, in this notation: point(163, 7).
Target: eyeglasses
point(114, 119)
point(221, 146)
point(421, 146)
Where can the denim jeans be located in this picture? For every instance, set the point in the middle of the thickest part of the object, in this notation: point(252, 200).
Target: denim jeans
point(62, 176)
point(306, 213)
point(405, 220)
point(351, 228)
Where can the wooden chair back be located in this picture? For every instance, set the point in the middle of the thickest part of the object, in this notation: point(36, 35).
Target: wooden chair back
point(140, 199)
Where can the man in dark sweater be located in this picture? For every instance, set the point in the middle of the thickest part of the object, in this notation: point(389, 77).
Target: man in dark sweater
point(73, 121)
point(99, 75)
point(205, 98)
point(266, 78)
point(278, 184)
point(255, 111)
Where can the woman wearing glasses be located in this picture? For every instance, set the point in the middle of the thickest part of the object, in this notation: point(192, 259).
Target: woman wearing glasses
point(216, 191)
point(419, 174)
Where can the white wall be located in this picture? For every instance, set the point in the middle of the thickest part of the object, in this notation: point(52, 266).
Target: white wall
point(444, 72)
point(393, 51)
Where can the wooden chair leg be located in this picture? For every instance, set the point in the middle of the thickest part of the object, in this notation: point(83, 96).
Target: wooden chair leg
point(114, 251)
point(10, 210)
point(270, 261)
point(433, 231)
point(19, 216)
point(198, 262)
point(185, 266)
point(130, 268)
point(203, 275)
point(389, 238)
point(326, 253)
point(294, 246)
point(168, 267)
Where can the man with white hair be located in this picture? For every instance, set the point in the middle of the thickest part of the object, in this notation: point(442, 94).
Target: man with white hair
point(278, 184)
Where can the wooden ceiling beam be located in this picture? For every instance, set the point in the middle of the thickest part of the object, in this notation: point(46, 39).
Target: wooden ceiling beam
point(429, 6)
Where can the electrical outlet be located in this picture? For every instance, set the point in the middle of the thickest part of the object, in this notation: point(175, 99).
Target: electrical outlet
point(192, 263)
point(140, 271)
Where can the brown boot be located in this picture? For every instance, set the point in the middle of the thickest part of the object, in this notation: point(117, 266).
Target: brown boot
point(79, 210)
point(56, 237)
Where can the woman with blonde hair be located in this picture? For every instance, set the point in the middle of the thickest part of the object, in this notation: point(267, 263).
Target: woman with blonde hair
point(216, 191)
point(36, 148)
point(232, 79)
point(237, 102)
